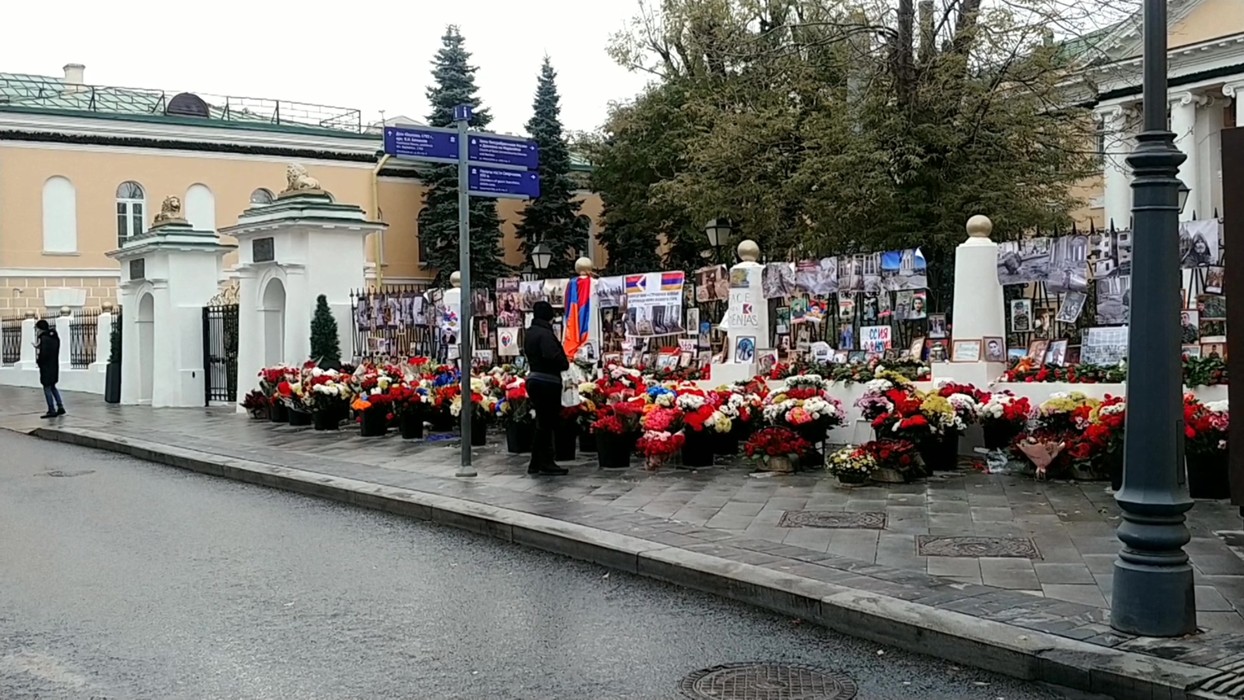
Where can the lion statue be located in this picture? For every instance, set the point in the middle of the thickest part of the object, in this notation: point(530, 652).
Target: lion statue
point(170, 211)
point(297, 179)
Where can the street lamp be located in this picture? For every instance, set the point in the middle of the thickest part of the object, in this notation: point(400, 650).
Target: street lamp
point(718, 231)
point(529, 275)
point(1153, 593)
point(541, 256)
point(1184, 191)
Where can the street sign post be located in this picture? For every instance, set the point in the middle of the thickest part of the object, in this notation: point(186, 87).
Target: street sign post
point(489, 165)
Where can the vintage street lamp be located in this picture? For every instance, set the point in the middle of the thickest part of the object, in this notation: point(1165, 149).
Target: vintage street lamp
point(528, 274)
point(541, 256)
point(718, 231)
point(1153, 594)
point(1184, 191)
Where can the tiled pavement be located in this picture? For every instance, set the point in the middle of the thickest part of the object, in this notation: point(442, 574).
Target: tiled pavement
point(1062, 589)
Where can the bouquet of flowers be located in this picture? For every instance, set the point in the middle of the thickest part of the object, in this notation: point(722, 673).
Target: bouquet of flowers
point(1100, 431)
point(325, 390)
point(271, 377)
point(1205, 426)
point(618, 383)
point(803, 403)
point(851, 464)
point(482, 403)
point(406, 398)
point(1002, 417)
point(515, 406)
point(657, 446)
point(256, 403)
point(899, 455)
point(777, 443)
point(619, 418)
point(1064, 412)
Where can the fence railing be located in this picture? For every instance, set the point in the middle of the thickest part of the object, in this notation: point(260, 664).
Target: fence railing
point(10, 340)
point(393, 321)
point(83, 335)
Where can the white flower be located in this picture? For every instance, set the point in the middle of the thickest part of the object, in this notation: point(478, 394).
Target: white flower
point(1217, 406)
point(878, 386)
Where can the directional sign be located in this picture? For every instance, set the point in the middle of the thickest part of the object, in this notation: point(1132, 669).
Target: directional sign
point(487, 148)
point(491, 182)
point(421, 143)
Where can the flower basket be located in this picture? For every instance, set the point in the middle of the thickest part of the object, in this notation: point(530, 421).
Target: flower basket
point(1207, 475)
point(853, 478)
point(587, 441)
point(563, 445)
point(940, 452)
point(518, 437)
point(479, 431)
point(887, 475)
point(697, 450)
point(781, 464)
point(410, 424)
point(374, 422)
point(613, 450)
point(299, 419)
point(327, 419)
point(278, 413)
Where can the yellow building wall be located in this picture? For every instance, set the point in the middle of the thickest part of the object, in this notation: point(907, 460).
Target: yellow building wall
point(1208, 21)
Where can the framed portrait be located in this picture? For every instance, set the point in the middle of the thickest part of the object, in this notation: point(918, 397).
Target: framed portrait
point(916, 349)
point(937, 326)
point(1021, 315)
point(1036, 351)
point(995, 349)
point(937, 349)
point(966, 351)
point(745, 349)
point(1056, 353)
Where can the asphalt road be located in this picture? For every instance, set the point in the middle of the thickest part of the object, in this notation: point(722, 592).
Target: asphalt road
point(121, 579)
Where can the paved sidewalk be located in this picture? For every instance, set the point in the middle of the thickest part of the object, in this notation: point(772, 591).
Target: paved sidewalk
point(1005, 552)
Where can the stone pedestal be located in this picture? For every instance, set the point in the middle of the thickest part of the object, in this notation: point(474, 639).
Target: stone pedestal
point(302, 245)
point(978, 311)
point(747, 316)
point(167, 276)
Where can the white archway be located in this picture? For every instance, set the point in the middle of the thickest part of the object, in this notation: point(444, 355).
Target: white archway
point(272, 310)
point(146, 347)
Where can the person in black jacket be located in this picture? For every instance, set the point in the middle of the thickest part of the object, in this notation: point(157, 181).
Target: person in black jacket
point(47, 357)
point(546, 360)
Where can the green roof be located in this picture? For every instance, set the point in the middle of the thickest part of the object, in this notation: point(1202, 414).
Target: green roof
point(1082, 46)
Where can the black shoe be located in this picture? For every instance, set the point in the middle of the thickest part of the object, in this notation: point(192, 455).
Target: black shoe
point(49, 414)
point(533, 470)
point(553, 470)
point(60, 411)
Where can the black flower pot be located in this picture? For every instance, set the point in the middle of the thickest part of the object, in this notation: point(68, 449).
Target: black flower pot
point(479, 432)
point(374, 422)
point(563, 445)
point(1207, 475)
point(441, 421)
point(998, 435)
point(940, 453)
point(614, 451)
point(518, 437)
point(326, 419)
point(815, 432)
point(1114, 467)
point(697, 450)
point(587, 441)
point(299, 419)
point(112, 383)
point(278, 413)
point(726, 443)
point(410, 425)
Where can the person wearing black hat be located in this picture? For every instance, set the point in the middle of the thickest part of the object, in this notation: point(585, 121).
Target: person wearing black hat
point(47, 357)
point(546, 360)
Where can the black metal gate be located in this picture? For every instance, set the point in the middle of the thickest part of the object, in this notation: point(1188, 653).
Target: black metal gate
point(220, 353)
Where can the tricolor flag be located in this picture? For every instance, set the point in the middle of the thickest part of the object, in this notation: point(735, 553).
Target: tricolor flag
point(636, 284)
point(671, 281)
point(578, 315)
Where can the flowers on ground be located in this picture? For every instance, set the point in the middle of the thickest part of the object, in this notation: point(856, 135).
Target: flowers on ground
point(1205, 426)
point(776, 442)
point(851, 460)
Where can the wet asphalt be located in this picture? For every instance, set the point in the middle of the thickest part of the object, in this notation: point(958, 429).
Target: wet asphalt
point(122, 579)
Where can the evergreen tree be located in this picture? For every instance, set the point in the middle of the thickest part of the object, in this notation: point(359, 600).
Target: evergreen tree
point(453, 83)
point(553, 218)
point(325, 345)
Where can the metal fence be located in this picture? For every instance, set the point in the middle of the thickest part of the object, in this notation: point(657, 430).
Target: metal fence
point(83, 335)
point(393, 321)
point(220, 353)
point(10, 340)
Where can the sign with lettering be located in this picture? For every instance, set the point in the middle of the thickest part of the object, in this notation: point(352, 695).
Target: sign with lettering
point(875, 338)
point(138, 269)
point(742, 313)
point(263, 250)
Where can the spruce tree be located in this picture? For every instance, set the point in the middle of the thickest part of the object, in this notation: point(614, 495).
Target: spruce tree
point(553, 218)
point(453, 83)
point(325, 345)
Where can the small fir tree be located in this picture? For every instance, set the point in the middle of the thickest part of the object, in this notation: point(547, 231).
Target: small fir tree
point(553, 218)
point(453, 83)
point(325, 346)
point(114, 339)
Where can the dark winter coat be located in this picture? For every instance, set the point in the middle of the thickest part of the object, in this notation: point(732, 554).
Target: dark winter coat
point(47, 357)
point(544, 352)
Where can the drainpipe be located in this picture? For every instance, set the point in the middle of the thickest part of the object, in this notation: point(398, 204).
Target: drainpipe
point(375, 208)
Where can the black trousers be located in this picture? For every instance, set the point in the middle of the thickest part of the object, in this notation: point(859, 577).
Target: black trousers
point(546, 398)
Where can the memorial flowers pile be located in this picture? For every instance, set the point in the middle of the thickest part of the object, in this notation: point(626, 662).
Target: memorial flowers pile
point(325, 390)
point(1003, 417)
point(778, 448)
point(1205, 426)
point(851, 464)
point(514, 406)
point(803, 404)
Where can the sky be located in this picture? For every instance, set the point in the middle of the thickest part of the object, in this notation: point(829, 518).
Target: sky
point(371, 56)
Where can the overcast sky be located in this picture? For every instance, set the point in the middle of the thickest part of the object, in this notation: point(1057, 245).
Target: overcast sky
point(367, 55)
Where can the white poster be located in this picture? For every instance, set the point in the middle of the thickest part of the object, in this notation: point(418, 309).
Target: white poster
point(875, 339)
point(742, 314)
point(507, 342)
point(1104, 346)
point(654, 304)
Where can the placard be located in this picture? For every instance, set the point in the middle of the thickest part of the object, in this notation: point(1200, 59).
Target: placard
point(507, 342)
point(875, 338)
point(654, 304)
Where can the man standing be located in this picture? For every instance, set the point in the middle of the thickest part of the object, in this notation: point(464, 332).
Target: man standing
point(47, 357)
point(546, 360)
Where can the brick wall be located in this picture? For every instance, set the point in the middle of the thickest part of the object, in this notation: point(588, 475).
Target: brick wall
point(19, 294)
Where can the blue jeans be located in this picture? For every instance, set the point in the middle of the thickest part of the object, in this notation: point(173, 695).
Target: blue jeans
point(53, 397)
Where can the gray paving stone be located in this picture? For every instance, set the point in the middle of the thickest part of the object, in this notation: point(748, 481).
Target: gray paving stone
point(1076, 593)
point(1062, 573)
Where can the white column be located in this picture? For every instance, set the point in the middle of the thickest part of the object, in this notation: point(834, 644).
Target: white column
point(299, 306)
point(250, 334)
point(64, 330)
point(1183, 124)
point(978, 311)
point(1209, 124)
point(1117, 175)
point(103, 340)
point(27, 358)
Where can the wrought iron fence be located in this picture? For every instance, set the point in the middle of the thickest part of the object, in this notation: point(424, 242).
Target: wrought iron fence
point(220, 353)
point(83, 334)
point(10, 340)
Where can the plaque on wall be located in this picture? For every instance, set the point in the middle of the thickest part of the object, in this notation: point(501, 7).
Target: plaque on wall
point(138, 269)
point(263, 250)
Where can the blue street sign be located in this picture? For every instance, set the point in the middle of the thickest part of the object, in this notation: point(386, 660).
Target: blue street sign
point(487, 148)
point(421, 143)
point(462, 113)
point(514, 184)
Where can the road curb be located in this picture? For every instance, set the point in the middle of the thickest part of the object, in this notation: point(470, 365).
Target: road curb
point(995, 646)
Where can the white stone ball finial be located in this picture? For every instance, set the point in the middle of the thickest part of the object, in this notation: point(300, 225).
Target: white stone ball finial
point(584, 266)
point(748, 251)
point(979, 226)
point(455, 279)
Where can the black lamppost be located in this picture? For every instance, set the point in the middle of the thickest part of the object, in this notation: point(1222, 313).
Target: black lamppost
point(1153, 594)
point(541, 256)
point(718, 232)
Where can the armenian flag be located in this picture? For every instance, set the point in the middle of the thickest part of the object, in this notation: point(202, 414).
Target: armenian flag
point(578, 319)
point(671, 281)
point(636, 284)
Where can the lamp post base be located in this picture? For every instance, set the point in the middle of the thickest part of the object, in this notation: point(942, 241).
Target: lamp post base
point(1137, 587)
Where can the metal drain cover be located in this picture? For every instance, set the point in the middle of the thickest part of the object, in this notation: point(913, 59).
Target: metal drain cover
point(68, 474)
point(767, 681)
point(833, 519)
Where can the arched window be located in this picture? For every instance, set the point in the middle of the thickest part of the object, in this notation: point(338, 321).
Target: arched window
point(60, 216)
point(201, 207)
point(261, 197)
point(419, 232)
point(131, 211)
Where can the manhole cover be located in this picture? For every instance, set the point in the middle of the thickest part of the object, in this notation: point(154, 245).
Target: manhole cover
point(66, 474)
point(833, 519)
point(935, 546)
point(767, 681)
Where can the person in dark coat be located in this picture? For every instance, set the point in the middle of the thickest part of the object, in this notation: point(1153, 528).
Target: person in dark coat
point(47, 357)
point(546, 360)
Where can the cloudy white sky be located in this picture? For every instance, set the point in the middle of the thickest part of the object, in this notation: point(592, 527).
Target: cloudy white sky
point(371, 56)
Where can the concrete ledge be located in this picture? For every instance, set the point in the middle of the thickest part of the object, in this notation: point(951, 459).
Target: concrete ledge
point(949, 635)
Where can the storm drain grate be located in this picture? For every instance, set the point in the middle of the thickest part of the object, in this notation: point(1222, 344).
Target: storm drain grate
point(833, 519)
point(60, 473)
point(767, 681)
point(936, 546)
